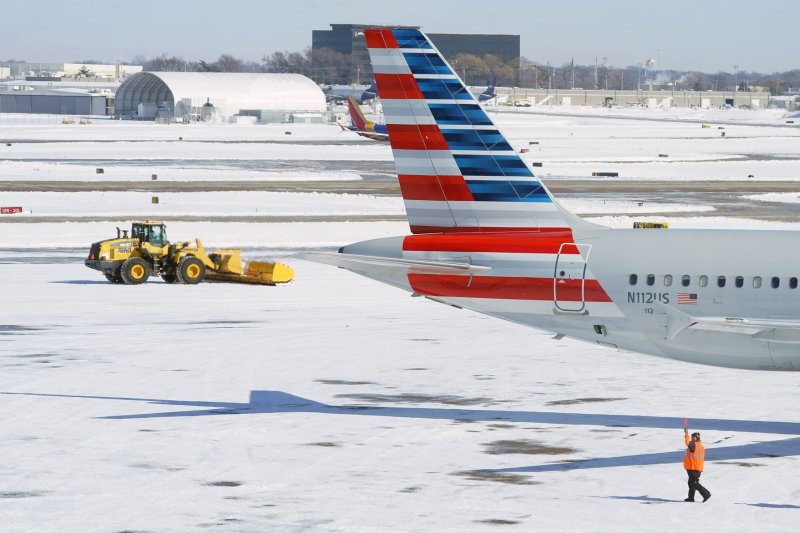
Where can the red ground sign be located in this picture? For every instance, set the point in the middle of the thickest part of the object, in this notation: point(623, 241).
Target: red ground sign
point(10, 210)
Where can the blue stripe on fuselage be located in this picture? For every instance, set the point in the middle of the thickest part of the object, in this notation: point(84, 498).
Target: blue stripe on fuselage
point(492, 165)
point(475, 140)
point(507, 191)
point(459, 114)
point(426, 64)
point(437, 89)
point(411, 39)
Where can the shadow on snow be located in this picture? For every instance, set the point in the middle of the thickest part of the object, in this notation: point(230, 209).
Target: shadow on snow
point(264, 402)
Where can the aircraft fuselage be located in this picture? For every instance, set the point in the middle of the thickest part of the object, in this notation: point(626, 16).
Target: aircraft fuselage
point(636, 289)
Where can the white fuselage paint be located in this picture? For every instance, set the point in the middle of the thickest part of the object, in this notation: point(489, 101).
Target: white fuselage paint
point(642, 317)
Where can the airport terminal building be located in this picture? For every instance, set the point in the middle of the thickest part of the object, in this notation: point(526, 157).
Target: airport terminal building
point(193, 96)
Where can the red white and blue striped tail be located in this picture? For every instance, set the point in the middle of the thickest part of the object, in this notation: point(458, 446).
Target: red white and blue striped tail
point(457, 172)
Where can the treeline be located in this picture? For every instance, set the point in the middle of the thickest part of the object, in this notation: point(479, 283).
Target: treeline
point(171, 63)
point(329, 67)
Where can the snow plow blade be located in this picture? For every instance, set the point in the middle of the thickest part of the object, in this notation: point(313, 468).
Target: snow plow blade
point(255, 272)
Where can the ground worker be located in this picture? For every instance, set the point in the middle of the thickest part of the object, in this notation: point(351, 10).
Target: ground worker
point(693, 463)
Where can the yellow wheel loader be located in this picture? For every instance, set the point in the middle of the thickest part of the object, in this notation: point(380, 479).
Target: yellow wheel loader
point(147, 252)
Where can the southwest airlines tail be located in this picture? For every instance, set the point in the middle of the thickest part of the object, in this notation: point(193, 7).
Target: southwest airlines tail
point(457, 172)
point(356, 115)
point(362, 126)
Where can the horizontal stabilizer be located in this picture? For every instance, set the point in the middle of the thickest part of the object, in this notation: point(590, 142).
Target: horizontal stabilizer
point(414, 265)
point(771, 330)
point(780, 330)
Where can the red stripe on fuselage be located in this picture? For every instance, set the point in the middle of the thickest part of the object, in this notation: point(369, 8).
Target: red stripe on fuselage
point(397, 87)
point(380, 39)
point(502, 288)
point(511, 243)
point(416, 137)
point(436, 188)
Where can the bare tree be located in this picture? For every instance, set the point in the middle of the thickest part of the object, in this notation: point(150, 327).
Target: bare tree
point(202, 66)
point(164, 63)
point(136, 60)
point(229, 63)
point(298, 62)
point(328, 66)
point(253, 66)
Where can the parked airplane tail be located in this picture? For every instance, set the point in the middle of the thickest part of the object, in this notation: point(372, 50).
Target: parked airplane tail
point(370, 92)
point(489, 92)
point(457, 172)
point(356, 115)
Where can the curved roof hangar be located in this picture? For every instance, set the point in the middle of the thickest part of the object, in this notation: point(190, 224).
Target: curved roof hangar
point(229, 92)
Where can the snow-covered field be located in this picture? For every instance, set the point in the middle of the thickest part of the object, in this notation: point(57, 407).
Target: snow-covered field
point(339, 404)
point(574, 142)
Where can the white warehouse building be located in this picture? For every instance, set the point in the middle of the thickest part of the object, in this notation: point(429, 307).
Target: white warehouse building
point(205, 95)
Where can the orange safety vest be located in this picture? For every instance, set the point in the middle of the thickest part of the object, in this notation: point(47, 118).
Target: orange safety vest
point(694, 461)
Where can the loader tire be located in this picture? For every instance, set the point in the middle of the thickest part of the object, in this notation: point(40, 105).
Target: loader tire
point(134, 271)
point(191, 270)
point(170, 277)
point(113, 277)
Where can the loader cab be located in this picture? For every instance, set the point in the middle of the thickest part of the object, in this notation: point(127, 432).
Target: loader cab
point(153, 233)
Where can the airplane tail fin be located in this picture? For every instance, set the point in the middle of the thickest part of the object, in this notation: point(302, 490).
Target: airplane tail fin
point(457, 172)
point(370, 92)
point(489, 92)
point(356, 115)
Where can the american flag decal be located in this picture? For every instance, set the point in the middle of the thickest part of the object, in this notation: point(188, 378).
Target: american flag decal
point(689, 298)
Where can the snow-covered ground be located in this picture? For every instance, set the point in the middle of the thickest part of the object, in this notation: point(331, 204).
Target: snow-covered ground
point(571, 143)
point(339, 404)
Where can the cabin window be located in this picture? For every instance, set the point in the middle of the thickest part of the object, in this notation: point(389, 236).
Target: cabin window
point(633, 279)
point(720, 281)
point(757, 282)
point(685, 279)
point(775, 282)
point(739, 282)
point(703, 281)
point(668, 280)
point(651, 279)
point(792, 283)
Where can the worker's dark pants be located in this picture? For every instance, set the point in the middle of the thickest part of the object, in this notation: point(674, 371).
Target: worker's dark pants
point(694, 485)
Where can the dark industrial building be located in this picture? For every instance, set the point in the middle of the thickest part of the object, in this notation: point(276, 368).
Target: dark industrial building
point(342, 38)
point(506, 47)
point(55, 103)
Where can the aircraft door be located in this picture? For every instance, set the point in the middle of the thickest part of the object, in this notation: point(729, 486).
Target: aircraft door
point(569, 277)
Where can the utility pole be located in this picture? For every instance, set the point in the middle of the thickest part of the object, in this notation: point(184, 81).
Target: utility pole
point(573, 73)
